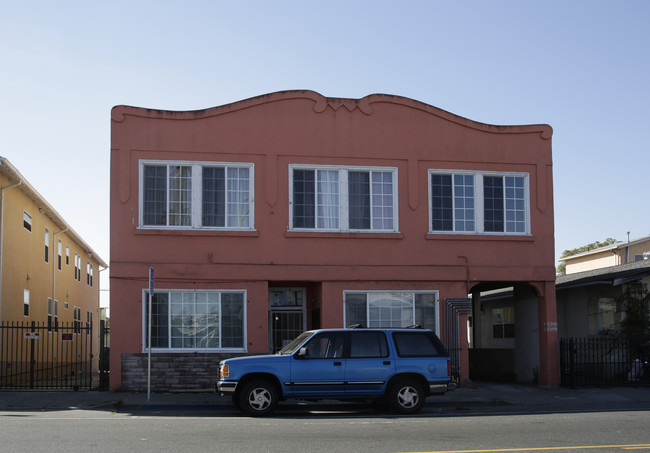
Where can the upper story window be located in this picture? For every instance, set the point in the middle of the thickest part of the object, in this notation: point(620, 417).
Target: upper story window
point(47, 245)
point(343, 198)
point(59, 261)
point(479, 202)
point(77, 267)
point(67, 255)
point(89, 274)
point(192, 195)
point(27, 221)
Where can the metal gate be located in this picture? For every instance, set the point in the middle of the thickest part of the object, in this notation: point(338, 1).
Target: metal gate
point(454, 307)
point(104, 354)
point(45, 356)
point(285, 326)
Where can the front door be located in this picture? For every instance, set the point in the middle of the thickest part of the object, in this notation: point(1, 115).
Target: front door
point(287, 316)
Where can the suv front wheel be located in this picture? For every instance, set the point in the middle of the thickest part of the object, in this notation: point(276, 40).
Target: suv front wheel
point(406, 396)
point(258, 398)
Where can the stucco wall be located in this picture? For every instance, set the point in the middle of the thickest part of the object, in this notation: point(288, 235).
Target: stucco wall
point(278, 130)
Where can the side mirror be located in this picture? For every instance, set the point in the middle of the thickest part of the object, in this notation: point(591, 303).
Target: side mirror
point(303, 352)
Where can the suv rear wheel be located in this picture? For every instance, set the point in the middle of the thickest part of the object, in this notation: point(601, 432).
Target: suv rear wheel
point(406, 396)
point(258, 398)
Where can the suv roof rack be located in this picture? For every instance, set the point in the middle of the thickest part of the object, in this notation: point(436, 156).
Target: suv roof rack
point(414, 326)
point(355, 326)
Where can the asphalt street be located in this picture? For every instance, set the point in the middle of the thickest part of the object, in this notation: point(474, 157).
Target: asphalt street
point(484, 396)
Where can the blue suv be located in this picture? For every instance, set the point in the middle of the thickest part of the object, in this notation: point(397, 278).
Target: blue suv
point(396, 366)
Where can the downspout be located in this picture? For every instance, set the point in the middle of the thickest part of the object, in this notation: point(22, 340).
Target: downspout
point(2, 207)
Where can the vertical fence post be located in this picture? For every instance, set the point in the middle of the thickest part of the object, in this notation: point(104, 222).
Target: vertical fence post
point(32, 360)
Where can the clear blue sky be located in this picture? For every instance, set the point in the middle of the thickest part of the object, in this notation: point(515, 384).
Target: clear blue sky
point(581, 66)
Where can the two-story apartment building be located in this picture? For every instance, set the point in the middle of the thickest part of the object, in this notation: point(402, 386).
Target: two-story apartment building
point(48, 273)
point(588, 294)
point(622, 252)
point(293, 211)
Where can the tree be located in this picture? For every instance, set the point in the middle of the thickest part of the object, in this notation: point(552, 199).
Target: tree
point(634, 304)
point(561, 268)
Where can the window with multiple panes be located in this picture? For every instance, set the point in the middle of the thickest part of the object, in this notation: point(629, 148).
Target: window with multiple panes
point(59, 261)
point(52, 314)
point(503, 322)
point(67, 255)
point(343, 198)
point(392, 309)
point(478, 202)
point(89, 274)
point(26, 302)
point(196, 320)
point(27, 221)
point(77, 267)
point(47, 245)
point(196, 195)
point(77, 320)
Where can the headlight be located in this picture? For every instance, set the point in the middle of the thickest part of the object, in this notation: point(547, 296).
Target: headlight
point(224, 372)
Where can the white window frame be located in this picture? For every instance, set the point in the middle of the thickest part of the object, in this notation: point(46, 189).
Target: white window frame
point(89, 273)
point(412, 293)
point(47, 245)
point(479, 199)
point(145, 304)
point(77, 267)
point(343, 196)
point(26, 303)
point(27, 221)
point(196, 194)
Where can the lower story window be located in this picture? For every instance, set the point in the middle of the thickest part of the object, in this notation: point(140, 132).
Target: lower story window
point(503, 322)
point(195, 320)
point(391, 309)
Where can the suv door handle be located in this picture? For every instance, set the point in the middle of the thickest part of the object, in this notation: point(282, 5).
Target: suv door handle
point(386, 362)
point(337, 363)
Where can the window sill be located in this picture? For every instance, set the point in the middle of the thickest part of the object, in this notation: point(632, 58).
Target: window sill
point(480, 237)
point(182, 232)
point(195, 351)
point(342, 235)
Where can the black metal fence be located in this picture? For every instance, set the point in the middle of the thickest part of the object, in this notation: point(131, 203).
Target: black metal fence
point(42, 356)
point(602, 361)
point(104, 354)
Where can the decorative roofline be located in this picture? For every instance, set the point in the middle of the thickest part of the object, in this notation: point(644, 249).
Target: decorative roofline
point(321, 103)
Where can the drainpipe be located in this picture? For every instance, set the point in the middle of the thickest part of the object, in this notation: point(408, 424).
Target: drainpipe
point(2, 206)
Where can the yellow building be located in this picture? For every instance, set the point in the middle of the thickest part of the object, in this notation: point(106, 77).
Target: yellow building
point(48, 275)
point(612, 255)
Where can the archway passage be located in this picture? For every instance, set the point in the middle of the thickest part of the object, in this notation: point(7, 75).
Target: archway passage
point(512, 334)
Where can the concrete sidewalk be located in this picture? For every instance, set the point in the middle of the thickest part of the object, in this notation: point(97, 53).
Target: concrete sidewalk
point(479, 395)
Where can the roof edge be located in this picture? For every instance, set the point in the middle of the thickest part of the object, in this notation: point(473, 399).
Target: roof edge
point(119, 112)
point(13, 174)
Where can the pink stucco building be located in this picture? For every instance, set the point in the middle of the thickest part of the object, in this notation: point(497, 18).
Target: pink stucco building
point(292, 211)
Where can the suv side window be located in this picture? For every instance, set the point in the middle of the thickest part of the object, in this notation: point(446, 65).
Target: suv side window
point(417, 344)
point(368, 344)
point(326, 345)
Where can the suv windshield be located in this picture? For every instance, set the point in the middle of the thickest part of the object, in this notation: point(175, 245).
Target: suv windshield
point(291, 347)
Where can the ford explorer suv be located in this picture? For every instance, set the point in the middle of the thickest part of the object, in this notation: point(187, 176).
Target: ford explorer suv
point(400, 367)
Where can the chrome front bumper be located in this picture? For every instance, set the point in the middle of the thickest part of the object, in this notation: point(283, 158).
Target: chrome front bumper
point(226, 387)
